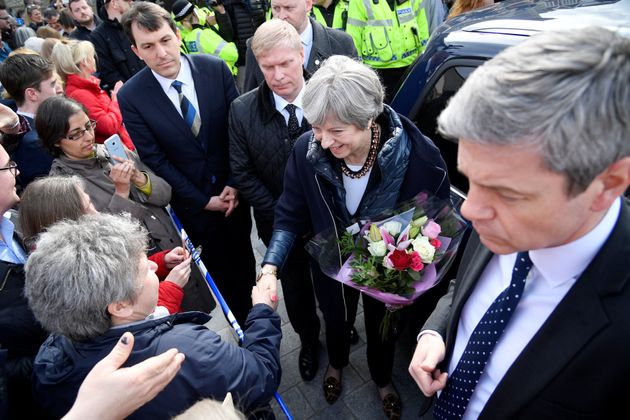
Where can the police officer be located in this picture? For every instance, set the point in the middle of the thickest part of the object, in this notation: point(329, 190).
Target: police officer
point(197, 38)
point(331, 13)
point(389, 35)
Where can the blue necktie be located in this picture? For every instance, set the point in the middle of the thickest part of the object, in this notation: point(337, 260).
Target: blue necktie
point(461, 383)
point(189, 113)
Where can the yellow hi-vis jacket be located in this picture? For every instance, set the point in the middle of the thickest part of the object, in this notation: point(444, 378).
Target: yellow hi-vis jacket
point(386, 38)
point(340, 16)
point(205, 40)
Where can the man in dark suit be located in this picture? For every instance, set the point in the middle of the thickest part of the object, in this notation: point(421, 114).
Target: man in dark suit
point(319, 42)
point(536, 323)
point(264, 125)
point(176, 111)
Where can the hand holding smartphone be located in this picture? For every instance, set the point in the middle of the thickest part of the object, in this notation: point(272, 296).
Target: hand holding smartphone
point(115, 148)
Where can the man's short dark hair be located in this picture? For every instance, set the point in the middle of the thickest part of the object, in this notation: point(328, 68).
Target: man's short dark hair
point(50, 13)
point(21, 71)
point(66, 19)
point(148, 16)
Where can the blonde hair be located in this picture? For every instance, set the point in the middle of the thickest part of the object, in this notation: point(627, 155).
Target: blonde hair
point(275, 33)
point(463, 6)
point(68, 55)
point(209, 409)
point(47, 32)
point(23, 51)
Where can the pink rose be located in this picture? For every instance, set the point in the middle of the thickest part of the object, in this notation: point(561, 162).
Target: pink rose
point(436, 243)
point(431, 229)
point(416, 261)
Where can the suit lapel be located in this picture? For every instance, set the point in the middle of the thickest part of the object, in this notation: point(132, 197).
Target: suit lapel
point(320, 49)
point(574, 322)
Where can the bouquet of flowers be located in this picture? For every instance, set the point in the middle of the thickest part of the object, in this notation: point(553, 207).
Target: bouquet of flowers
point(397, 257)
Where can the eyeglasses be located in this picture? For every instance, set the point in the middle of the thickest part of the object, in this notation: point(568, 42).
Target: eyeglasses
point(78, 134)
point(11, 167)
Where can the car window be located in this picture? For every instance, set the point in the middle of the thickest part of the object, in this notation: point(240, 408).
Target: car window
point(440, 89)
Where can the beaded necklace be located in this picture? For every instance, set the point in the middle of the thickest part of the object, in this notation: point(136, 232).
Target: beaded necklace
point(371, 157)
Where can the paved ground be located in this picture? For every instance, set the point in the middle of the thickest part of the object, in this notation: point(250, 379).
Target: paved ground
point(359, 399)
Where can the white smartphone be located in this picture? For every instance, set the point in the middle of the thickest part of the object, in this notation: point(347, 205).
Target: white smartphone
point(114, 146)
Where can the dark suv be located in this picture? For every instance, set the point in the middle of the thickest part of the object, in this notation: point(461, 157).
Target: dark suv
point(463, 43)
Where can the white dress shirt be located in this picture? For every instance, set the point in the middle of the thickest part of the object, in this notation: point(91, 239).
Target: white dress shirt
point(281, 103)
point(546, 285)
point(188, 86)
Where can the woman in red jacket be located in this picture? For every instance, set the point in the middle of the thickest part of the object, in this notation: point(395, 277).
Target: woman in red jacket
point(75, 62)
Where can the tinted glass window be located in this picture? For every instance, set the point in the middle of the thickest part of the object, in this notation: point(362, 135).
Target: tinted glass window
point(435, 101)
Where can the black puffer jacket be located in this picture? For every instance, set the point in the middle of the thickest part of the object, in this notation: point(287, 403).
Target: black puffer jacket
point(116, 60)
point(259, 149)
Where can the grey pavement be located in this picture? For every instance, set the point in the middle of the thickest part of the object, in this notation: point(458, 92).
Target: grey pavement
point(359, 399)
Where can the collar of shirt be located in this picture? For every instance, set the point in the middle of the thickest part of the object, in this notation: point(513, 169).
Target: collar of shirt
point(281, 103)
point(26, 114)
point(188, 85)
point(184, 76)
point(575, 255)
point(307, 41)
point(10, 250)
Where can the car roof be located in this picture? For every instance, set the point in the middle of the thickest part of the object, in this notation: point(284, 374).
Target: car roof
point(483, 33)
point(509, 22)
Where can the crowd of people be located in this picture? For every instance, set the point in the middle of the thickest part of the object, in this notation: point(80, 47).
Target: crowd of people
point(95, 277)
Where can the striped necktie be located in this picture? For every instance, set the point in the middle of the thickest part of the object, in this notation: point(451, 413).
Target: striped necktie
point(461, 383)
point(189, 113)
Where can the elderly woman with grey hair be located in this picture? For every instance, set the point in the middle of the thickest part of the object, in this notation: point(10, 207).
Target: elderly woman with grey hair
point(360, 159)
point(88, 281)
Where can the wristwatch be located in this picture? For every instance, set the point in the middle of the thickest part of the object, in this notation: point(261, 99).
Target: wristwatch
point(267, 270)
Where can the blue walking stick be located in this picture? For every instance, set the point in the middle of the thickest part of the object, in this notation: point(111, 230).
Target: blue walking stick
point(196, 255)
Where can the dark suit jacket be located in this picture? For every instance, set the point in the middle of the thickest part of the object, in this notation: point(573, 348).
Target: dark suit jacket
point(196, 168)
point(577, 365)
point(32, 158)
point(326, 42)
